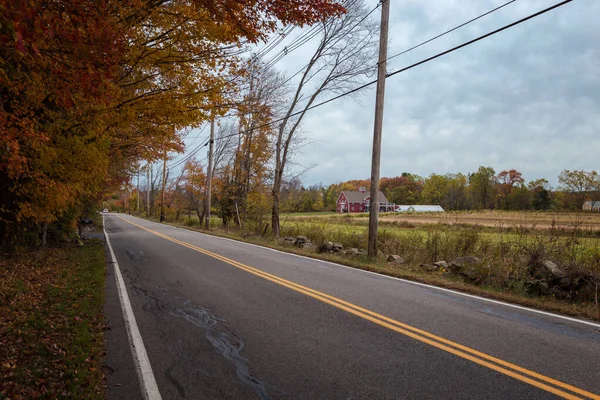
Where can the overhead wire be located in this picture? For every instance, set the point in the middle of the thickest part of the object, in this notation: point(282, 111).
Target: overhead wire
point(451, 30)
point(420, 44)
point(189, 156)
point(296, 43)
point(302, 39)
point(357, 24)
point(388, 75)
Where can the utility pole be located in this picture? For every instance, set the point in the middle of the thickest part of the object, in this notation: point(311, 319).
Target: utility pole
point(209, 173)
point(138, 191)
point(381, 72)
point(164, 185)
point(148, 192)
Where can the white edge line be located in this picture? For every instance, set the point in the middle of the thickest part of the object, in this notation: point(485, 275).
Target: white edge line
point(532, 310)
point(138, 351)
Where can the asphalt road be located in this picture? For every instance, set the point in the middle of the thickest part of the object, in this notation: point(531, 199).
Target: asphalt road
point(226, 320)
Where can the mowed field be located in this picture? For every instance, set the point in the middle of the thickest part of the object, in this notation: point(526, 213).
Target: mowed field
point(498, 219)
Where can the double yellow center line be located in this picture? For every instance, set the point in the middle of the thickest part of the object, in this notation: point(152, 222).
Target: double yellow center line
point(540, 381)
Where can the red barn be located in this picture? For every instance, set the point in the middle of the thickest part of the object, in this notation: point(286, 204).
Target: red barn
point(357, 201)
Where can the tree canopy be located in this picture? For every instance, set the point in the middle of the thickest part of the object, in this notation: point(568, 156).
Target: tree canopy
point(88, 88)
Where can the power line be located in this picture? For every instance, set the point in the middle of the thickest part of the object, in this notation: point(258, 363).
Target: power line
point(351, 29)
point(418, 45)
point(270, 47)
point(481, 37)
point(298, 42)
point(303, 39)
point(477, 39)
point(450, 30)
point(426, 41)
point(189, 155)
point(520, 21)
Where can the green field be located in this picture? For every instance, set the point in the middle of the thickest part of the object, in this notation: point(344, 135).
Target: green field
point(506, 251)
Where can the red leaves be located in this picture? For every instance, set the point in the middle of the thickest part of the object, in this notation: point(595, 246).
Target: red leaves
point(91, 87)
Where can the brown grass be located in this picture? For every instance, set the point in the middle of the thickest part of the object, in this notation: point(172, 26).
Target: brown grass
point(505, 219)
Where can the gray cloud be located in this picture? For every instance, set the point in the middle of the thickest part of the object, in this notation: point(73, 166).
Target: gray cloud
point(527, 98)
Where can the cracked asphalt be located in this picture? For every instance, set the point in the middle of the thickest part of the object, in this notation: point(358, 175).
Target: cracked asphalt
point(215, 331)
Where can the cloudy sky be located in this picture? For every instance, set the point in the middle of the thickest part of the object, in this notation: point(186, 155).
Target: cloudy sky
point(527, 98)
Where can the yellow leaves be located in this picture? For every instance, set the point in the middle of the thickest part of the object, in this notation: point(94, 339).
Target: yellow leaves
point(94, 87)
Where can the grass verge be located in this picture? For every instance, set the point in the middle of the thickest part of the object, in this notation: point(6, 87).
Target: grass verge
point(51, 323)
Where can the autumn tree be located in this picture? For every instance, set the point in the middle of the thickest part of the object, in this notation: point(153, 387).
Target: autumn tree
point(540, 194)
point(456, 192)
point(252, 162)
point(481, 187)
point(89, 88)
point(194, 183)
point(519, 198)
point(580, 184)
point(404, 189)
point(506, 181)
point(435, 190)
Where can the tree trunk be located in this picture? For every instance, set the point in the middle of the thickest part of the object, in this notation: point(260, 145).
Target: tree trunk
point(44, 234)
point(200, 215)
point(275, 229)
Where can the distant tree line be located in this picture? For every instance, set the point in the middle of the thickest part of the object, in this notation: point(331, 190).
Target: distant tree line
point(483, 189)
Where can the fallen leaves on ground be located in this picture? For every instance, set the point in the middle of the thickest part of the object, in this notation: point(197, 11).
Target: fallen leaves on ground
point(51, 323)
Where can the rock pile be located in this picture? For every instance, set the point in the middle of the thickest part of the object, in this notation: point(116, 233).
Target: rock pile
point(330, 247)
point(302, 242)
point(547, 278)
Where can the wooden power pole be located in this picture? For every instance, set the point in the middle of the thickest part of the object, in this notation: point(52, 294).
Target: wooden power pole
point(138, 190)
point(164, 186)
point(209, 173)
point(148, 192)
point(381, 72)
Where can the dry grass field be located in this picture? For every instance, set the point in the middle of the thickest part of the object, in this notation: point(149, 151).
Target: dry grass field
point(497, 219)
point(503, 219)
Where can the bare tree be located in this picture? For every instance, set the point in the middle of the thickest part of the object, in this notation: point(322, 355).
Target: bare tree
point(344, 56)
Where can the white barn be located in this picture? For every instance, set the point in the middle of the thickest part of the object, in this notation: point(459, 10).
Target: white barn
point(591, 206)
point(420, 208)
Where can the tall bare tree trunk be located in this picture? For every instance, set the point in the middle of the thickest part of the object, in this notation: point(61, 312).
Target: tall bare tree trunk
point(44, 234)
point(343, 56)
point(275, 228)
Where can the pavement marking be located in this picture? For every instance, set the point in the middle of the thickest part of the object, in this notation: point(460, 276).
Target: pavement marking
point(472, 296)
point(140, 357)
point(449, 346)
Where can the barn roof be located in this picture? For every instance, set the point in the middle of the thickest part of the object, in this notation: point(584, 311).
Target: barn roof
point(420, 208)
point(592, 203)
point(354, 196)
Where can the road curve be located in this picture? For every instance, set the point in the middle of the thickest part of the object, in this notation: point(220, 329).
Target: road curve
point(221, 319)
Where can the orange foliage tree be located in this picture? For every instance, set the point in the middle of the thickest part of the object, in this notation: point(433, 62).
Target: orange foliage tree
point(88, 88)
